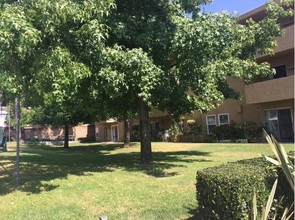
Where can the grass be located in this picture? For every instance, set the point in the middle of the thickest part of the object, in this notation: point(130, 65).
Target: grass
point(92, 180)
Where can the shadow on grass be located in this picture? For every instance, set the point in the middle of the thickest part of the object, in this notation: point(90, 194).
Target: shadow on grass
point(45, 163)
point(195, 215)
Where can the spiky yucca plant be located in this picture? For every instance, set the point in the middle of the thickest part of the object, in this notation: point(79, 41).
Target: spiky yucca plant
point(284, 162)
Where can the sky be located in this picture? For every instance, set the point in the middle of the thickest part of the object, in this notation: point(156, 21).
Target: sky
point(241, 6)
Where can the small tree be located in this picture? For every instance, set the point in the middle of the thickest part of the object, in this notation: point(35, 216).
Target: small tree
point(131, 74)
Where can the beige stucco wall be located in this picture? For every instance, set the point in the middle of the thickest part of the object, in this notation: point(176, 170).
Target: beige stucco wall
point(165, 122)
point(100, 132)
point(286, 42)
point(237, 110)
point(270, 91)
point(102, 127)
point(80, 131)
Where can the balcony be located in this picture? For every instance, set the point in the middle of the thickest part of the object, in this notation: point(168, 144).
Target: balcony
point(270, 91)
point(285, 43)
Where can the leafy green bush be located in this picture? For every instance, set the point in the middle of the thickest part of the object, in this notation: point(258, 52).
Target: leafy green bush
point(251, 131)
point(226, 191)
point(233, 132)
point(174, 131)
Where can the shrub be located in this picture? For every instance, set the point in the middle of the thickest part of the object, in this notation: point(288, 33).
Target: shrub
point(174, 131)
point(233, 132)
point(192, 128)
point(226, 191)
point(228, 132)
point(251, 131)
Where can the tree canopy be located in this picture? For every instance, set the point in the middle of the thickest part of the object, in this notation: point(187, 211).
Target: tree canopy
point(48, 53)
point(76, 60)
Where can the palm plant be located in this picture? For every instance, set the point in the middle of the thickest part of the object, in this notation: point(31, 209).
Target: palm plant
point(284, 162)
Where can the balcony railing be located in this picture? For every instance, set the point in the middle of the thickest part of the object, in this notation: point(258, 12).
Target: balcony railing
point(270, 90)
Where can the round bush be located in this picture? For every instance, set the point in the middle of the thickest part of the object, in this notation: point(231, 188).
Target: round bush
point(226, 191)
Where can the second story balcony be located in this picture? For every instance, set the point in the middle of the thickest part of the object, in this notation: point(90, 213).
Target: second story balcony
point(285, 43)
point(270, 90)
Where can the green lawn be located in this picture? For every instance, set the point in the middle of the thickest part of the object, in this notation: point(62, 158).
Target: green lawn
point(92, 180)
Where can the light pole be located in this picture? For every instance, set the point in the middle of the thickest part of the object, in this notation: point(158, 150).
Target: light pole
point(17, 128)
point(9, 123)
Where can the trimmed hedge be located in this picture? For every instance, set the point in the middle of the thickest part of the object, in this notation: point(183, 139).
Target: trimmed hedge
point(225, 192)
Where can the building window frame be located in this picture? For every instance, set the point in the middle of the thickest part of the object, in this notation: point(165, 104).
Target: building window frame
point(223, 123)
point(209, 124)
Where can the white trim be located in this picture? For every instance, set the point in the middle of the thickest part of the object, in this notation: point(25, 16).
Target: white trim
point(219, 119)
point(268, 109)
point(207, 125)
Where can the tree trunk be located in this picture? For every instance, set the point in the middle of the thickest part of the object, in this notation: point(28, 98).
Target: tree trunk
point(66, 139)
point(145, 133)
point(126, 132)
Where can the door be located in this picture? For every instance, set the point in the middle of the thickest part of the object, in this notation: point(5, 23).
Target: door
point(285, 124)
point(272, 123)
point(279, 123)
point(115, 133)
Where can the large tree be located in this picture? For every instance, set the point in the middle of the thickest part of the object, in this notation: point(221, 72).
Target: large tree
point(48, 52)
point(189, 57)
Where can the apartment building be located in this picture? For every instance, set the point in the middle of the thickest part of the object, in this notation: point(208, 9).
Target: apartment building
point(113, 130)
point(275, 98)
point(268, 103)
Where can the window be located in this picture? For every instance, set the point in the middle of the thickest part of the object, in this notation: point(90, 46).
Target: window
point(280, 71)
point(96, 132)
point(223, 119)
point(211, 123)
